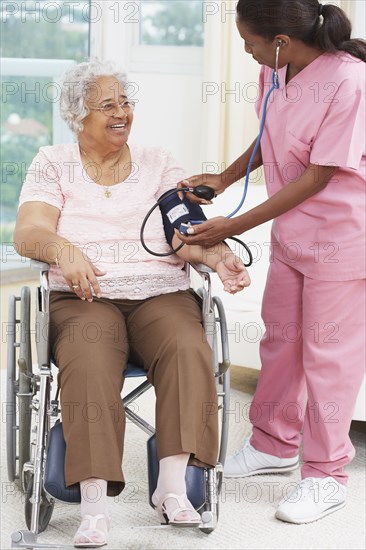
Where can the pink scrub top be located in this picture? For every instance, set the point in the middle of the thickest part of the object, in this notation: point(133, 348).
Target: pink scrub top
point(319, 118)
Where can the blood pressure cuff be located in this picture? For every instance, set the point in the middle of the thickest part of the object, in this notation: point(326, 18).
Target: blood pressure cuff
point(175, 211)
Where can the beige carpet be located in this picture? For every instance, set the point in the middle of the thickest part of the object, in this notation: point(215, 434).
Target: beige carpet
point(247, 506)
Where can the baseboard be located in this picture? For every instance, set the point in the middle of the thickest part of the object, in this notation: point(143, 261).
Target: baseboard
point(244, 379)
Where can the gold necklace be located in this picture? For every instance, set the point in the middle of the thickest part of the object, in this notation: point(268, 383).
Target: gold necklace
point(107, 192)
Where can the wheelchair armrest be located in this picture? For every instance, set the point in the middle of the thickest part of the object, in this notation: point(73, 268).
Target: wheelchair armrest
point(41, 266)
point(43, 290)
point(205, 290)
point(202, 268)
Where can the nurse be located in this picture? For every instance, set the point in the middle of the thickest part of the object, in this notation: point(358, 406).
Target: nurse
point(313, 154)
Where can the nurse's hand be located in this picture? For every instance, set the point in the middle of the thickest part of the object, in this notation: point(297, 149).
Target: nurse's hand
point(208, 233)
point(211, 180)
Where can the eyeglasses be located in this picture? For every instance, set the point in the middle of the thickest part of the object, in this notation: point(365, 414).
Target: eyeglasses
point(111, 109)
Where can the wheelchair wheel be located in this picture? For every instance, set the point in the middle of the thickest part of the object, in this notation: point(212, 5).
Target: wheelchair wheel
point(19, 386)
point(11, 391)
point(46, 506)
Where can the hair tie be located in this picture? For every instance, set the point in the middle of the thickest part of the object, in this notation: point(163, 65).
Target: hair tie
point(320, 9)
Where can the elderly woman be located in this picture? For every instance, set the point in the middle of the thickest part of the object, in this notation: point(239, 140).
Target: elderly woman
point(81, 209)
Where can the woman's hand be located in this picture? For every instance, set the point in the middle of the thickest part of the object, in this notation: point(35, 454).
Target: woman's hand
point(208, 233)
point(233, 274)
point(211, 180)
point(80, 274)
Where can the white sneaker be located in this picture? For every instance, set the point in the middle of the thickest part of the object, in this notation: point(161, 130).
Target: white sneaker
point(312, 499)
point(247, 461)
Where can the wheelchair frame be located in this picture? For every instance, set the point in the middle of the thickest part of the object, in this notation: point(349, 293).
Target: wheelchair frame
point(29, 395)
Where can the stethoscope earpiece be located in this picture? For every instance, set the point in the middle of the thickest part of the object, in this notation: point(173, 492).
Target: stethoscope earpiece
point(275, 72)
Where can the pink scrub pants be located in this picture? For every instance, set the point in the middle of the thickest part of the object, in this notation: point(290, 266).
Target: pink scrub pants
point(313, 364)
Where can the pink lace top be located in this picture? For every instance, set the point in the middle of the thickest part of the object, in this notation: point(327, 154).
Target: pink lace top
point(108, 229)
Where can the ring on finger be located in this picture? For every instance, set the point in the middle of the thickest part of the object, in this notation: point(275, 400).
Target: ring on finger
point(75, 287)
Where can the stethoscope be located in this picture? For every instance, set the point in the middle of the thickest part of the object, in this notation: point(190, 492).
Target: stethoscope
point(275, 86)
point(207, 193)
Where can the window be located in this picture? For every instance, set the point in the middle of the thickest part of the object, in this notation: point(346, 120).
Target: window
point(171, 23)
point(167, 37)
point(40, 40)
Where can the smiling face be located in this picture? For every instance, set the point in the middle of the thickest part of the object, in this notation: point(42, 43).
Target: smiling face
point(261, 49)
point(102, 132)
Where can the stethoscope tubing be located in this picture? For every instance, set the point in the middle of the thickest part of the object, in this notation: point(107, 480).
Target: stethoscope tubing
point(275, 86)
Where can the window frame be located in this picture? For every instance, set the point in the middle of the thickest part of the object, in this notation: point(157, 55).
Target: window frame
point(134, 57)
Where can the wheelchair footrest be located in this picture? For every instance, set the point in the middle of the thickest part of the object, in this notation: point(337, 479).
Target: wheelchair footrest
point(28, 539)
point(195, 477)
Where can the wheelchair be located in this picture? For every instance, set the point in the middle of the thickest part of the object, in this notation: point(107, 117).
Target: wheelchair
point(33, 409)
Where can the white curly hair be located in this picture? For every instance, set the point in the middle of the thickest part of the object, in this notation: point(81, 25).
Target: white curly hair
point(77, 82)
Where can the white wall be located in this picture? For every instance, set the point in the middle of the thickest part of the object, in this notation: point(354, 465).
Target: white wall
point(169, 113)
point(358, 15)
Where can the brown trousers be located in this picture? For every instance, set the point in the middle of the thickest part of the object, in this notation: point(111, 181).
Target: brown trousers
point(91, 343)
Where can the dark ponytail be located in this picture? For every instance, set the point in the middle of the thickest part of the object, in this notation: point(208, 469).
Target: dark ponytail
point(325, 27)
point(335, 33)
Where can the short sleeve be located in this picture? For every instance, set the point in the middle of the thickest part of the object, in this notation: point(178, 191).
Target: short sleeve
point(341, 136)
point(261, 81)
point(42, 182)
point(171, 174)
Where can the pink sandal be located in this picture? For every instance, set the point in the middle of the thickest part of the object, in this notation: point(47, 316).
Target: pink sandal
point(184, 505)
point(91, 533)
